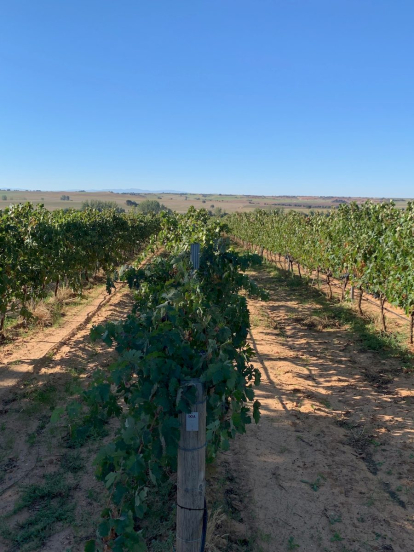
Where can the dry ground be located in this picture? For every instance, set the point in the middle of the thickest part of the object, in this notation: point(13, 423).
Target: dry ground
point(25, 351)
point(181, 202)
point(42, 469)
point(330, 466)
point(328, 469)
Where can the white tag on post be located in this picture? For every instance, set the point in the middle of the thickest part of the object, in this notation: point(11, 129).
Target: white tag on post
point(191, 421)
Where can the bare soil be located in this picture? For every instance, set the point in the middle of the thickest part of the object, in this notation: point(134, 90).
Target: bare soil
point(25, 354)
point(181, 202)
point(53, 366)
point(330, 466)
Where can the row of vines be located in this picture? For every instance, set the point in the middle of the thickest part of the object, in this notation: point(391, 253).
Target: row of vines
point(186, 324)
point(371, 246)
point(40, 249)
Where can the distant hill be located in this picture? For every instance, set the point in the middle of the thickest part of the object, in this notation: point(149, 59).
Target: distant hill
point(138, 191)
point(113, 190)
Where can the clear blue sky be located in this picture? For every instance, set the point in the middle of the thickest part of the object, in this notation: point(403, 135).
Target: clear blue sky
point(276, 97)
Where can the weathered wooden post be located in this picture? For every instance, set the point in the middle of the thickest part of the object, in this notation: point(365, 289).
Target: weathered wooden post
point(191, 515)
point(352, 293)
point(195, 255)
point(191, 467)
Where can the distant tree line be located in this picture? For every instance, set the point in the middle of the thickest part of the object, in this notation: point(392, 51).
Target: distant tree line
point(217, 212)
point(101, 205)
point(148, 206)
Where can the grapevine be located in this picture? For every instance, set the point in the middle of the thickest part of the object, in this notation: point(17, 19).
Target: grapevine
point(184, 325)
point(369, 245)
point(40, 249)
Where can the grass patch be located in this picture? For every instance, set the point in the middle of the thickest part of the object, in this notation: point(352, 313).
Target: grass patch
point(315, 485)
point(72, 462)
point(41, 425)
point(43, 394)
point(292, 545)
point(46, 505)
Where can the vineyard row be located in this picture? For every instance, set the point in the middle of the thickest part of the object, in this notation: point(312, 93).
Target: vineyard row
point(369, 246)
point(186, 325)
point(40, 249)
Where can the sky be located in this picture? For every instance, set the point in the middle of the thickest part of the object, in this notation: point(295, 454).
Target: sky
point(276, 97)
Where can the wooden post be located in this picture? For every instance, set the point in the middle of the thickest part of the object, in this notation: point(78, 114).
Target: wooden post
point(361, 291)
point(352, 293)
point(328, 281)
point(191, 475)
point(383, 321)
point(195, 255)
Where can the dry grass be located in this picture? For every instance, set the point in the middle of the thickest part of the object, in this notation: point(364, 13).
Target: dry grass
point(263, 318)
point(47, 312)
point(216, 540)
point(317, 323)
point(42, 314)
point(64, 295)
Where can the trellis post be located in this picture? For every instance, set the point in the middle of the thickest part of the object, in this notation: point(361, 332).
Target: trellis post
point(191, 466)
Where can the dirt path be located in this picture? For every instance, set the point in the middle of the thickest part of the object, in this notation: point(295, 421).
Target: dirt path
point(36, 457)
point(26, 355)
point(330, 467)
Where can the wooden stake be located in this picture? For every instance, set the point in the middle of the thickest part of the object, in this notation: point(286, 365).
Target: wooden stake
point(328, 281)
point(191, 475)
point(360, 301)
point(346, 278)
point(382, 303)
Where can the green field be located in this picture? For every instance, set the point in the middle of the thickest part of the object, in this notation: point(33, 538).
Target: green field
point(181, 202)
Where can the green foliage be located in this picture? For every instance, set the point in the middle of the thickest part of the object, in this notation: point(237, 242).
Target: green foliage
point(371, 244)
point(218, 212)
point(314, 485)
point(151, 206)
point(186, 324)
point(39, 247)
point(178, 232)
point(100, 206)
